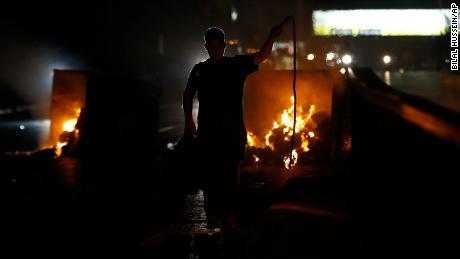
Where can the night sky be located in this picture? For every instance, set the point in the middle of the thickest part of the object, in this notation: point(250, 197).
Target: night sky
point(156, 41)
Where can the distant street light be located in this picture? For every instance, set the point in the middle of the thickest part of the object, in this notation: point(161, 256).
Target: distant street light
point(311, 56)
point(234, 14)
point(330, 56)
point(386, 59)
point(346, 59)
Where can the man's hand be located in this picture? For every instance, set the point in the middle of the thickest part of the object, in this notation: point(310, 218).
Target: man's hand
point(276, 31)
point(189, 131)
point(266, 49)
point(187, 103)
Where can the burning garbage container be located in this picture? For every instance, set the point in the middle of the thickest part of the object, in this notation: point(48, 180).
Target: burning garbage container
point(269, 116)
point(68, 99)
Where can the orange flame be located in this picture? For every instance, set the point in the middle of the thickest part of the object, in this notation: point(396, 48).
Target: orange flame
point(251, 139)
point(285, 122)
point(267, 140)
point(68, 126)
point(287, 159)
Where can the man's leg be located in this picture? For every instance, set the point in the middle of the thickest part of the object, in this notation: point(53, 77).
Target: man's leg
point(211, 203)
point(207, 162)
point(230, 192)
point(209, 167)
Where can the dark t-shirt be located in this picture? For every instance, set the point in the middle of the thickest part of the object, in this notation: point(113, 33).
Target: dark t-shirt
point(220, 95)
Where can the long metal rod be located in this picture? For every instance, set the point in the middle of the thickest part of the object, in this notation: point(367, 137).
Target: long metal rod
point(294, 93)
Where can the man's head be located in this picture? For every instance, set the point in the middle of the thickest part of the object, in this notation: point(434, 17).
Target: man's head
point(215, 43)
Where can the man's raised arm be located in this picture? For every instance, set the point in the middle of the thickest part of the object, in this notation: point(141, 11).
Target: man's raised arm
point(266, 49)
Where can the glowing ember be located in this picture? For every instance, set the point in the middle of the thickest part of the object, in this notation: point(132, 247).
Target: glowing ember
point(304, 144)
point(59, 146)
point(287, 159)
point(256, 159)
point(283, 130)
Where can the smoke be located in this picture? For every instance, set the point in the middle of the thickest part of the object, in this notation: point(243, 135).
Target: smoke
point(27, 71)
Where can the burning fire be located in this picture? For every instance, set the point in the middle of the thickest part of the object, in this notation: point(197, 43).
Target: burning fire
point(256, 158)
point(287, 159)
point(68, 127)
point(251, 139)
point(283, 128)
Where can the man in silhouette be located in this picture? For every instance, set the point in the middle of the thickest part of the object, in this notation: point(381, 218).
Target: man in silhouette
point(221, 134)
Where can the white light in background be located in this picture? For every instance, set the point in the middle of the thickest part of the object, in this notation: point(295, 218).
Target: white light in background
point(22, 127)
point(281, 45)
point(234, 14)
point(342, 70)
point(346, 59)
point(330, 56)
point(311, 56)
point(386, 59)
point(68, 64)
point(387, 77)
point(201, 57)
point(59, 66)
